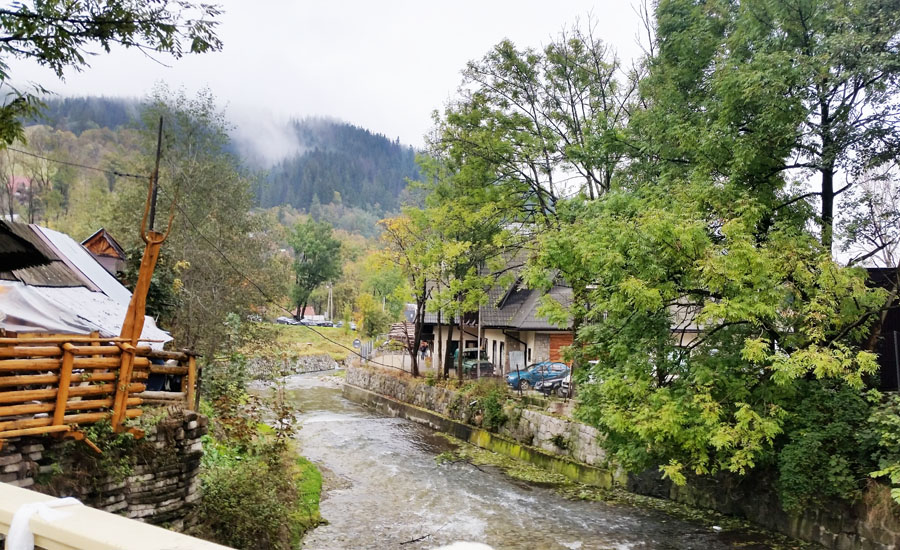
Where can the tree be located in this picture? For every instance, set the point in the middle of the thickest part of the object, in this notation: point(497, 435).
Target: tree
point(727, 337)
point(410, 244)
point(542, 124)
point(775, 91)
point(58, 34)
point(317, 259)
point(216, 243)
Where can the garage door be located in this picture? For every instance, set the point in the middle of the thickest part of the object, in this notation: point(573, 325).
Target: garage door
point(558, 341)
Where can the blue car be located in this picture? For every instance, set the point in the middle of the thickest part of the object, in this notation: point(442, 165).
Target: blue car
point(531, 375)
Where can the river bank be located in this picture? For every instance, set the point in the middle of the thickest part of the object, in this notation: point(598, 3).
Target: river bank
point(839, 527)
point(388, 481)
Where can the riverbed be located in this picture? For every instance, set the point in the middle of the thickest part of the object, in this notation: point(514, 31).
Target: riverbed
point(384, 489)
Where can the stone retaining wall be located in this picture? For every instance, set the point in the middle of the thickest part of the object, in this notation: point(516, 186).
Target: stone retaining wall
point(159, 483)
point(297, 365)
point(865, 525)
point(544, 431)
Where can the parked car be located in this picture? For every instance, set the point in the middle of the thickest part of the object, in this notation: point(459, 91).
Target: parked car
point(534, 373)
point(483, 368)
point(549, 386)
point(326, 324)
point(286, 321)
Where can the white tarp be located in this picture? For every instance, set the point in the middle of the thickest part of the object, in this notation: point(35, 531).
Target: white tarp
point(82, 259)
point(67, 310)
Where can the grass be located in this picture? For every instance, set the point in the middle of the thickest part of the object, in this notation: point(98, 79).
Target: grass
point(273, 340)
point(309, 486)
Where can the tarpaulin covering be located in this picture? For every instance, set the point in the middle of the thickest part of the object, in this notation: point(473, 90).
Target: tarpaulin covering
point(66, 310)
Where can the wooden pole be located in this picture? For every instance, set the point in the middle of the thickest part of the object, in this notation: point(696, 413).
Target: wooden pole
point(65, 380)
point(122, 387)
point(191, 382)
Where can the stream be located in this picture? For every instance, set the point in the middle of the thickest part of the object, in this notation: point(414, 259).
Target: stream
point(384, 488)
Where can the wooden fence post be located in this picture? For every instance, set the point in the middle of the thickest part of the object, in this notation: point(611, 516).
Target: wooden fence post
point(65, 380)
point(121, 400)
point(191, 382)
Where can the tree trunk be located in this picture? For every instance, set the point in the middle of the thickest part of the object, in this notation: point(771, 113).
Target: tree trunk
point(827, 207)
point(437, 356)
point(459, 355)
point(448, 357)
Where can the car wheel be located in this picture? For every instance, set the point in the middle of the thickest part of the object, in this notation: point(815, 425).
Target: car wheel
point(524, 385)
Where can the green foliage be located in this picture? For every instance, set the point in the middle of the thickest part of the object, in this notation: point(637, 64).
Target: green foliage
point(164, 296)
point(256, 499)
point(317, 259)
point(59, 35)
point(824, 456)
point(885, 430)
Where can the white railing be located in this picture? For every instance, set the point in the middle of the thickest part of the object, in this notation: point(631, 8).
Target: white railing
point(86, 528)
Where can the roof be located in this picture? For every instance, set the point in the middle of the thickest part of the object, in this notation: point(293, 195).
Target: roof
point(514, 307)
point(101, 243)
point(16, 249)
point(71, 294)
point(55, 272)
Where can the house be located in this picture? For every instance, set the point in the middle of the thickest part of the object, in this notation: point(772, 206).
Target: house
point(69, 293)
point(513, 333)
point(106, 250)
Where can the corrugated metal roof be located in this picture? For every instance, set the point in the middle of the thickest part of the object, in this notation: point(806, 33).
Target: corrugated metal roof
point(54, 273)
point(16, 251)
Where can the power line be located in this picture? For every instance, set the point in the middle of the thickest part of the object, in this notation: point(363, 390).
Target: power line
point(78, 165)
point(196, 230)
point(265, 295)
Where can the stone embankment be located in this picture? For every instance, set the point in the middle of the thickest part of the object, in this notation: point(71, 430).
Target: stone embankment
point(303, 364)
point(156, 481)
point(535, 435)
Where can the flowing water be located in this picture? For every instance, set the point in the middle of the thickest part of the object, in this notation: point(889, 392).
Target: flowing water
point(383, 488)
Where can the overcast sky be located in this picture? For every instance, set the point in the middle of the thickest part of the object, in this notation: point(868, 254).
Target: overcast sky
point(381, 65)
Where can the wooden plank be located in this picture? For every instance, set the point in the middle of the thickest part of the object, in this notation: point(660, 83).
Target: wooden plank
point(127, 359)
point(35, 431)
point(191, 383)
point(161, 369)
point(24, 396)
point(58, 339)
point(65, 380)
point(30, 351)
point(28, 380)
point(97, 350)
point(107, 362)
point(9, 365)
point(38, 408)
point(84, 418)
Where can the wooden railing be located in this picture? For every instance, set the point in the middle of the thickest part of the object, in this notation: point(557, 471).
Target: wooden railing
point(52, 384)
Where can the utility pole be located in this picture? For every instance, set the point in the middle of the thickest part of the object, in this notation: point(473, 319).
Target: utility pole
point(155, 176)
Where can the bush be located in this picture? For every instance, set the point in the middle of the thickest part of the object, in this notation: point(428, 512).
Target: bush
point(262, 499)
point(825, 455)
point(884, 426)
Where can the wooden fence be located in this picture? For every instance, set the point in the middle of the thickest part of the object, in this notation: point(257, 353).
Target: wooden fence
point(52, 384)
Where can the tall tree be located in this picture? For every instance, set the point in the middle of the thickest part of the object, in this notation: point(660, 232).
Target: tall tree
point(317, 259)
point(58, 34)
point(778, 91)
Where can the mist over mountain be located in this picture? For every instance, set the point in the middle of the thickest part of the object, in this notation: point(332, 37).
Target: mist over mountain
point(309, 163)
point(340, 163)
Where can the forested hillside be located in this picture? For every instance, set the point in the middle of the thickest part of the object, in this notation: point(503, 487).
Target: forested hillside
point(340, 163)
point(337, 165)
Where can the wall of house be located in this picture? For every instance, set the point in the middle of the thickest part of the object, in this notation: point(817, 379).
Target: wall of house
point(158, 482)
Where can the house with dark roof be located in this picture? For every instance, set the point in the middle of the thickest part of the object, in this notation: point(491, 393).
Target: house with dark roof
point(513, 333)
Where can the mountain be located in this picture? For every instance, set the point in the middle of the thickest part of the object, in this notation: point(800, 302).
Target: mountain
point(323, 162)
point(77, 114)
point(340, 163)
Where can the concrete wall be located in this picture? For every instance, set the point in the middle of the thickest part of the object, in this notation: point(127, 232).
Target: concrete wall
point(296, 365)
point(162, 481)
point(870, 525)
